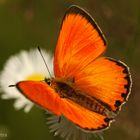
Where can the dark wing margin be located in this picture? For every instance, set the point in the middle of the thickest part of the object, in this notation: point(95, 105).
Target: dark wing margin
point(127, 86)
point(78, 10)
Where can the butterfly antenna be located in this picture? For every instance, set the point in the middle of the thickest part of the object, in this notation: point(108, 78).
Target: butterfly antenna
point(44, 61)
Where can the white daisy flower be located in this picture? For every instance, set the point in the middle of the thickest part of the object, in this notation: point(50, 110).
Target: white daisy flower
point(23, 66)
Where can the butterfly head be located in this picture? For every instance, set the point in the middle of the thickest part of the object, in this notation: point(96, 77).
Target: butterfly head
point(49, 81)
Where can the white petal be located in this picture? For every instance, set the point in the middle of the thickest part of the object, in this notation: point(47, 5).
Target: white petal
point(28, 107)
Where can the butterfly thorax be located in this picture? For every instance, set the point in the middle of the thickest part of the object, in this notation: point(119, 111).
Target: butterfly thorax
point(66, 90)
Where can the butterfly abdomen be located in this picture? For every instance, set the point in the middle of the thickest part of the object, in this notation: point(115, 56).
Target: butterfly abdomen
point(66, 91)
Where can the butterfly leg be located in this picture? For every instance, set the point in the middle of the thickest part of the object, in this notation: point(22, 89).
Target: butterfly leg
point(59, 119)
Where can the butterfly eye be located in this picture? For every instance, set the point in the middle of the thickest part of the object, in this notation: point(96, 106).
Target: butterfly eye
point(48, 81)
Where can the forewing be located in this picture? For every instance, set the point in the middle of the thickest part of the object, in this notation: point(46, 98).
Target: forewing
point(44, 96)
point(41, 94)
point(107, 80)
point(80, 41)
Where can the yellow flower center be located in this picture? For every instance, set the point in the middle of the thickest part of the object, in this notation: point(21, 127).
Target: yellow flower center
point(36, 77)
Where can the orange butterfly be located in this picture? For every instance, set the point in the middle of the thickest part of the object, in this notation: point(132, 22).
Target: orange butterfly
point(88, 89)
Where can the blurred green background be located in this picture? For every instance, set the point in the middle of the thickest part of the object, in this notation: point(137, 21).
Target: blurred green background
point(25, 24)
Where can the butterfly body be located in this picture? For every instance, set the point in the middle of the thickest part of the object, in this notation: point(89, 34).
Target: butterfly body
point(66, 90)
point(87, 88)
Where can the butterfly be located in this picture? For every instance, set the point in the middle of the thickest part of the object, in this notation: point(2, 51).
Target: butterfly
point(87, 88)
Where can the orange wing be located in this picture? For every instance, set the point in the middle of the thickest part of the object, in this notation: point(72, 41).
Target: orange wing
point(79, 46)
point(41, 94)
point(44, 96)
point(83, 117)
point(80, 42)
point(107, 80)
